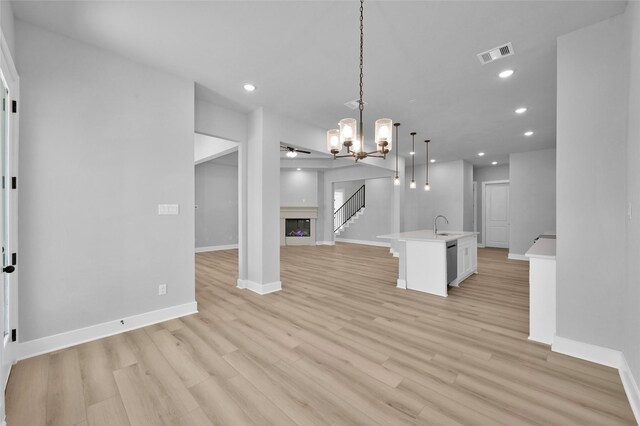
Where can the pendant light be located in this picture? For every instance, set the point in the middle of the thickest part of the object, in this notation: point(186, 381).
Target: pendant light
point(426, 162)
point(412, 185)
point(350, 135)
point(396, 181)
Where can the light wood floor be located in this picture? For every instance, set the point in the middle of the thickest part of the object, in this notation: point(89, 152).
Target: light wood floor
point(339, 345)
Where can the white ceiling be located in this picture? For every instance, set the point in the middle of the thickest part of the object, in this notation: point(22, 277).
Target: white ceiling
point(420, 60)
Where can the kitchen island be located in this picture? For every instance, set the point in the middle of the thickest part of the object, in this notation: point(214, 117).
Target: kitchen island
point(431, 262)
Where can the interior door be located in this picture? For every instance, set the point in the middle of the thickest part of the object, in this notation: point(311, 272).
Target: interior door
point(497, 215)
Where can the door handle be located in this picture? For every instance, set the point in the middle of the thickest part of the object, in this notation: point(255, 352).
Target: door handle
point(9, 269)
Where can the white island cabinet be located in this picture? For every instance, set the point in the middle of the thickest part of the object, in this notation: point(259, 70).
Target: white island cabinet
point(430, 263)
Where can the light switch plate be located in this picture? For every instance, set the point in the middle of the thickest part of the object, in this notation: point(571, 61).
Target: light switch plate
point(168, 209)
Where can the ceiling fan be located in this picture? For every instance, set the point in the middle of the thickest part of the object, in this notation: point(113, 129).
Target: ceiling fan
point(292, 152)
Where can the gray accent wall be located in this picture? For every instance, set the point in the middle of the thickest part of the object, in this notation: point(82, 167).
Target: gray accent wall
point(100, 148)
point(532, 197)
point(216, 217)
point(486, 174)
point(591, 183)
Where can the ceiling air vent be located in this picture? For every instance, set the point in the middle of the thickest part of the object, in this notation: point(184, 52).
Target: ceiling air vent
point(496, 53)
point(353, 104)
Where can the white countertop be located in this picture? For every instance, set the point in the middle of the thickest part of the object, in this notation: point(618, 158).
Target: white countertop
point(427, 235)
point(544, 248)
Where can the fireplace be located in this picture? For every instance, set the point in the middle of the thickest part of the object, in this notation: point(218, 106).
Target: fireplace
point(298, 227)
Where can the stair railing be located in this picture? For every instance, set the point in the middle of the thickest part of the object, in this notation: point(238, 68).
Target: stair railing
point(350, 208)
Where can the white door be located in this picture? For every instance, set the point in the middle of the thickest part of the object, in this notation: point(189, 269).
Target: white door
point(497, 215)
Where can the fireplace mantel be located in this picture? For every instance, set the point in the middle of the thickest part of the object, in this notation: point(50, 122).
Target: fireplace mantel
point(298, 212)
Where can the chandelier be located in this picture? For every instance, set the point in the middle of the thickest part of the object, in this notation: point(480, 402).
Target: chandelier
point(350, 135)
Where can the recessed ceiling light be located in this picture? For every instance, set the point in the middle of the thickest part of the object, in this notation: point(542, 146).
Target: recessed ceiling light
point(521, 110)
point(298, 169)
point(480, 154)
point(493, 163)
point(249, 87)
point(506, 73)
point(529, 133)
point(412, 153)
point(433, 160)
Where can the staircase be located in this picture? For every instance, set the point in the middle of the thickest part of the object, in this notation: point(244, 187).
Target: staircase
point(349, 212)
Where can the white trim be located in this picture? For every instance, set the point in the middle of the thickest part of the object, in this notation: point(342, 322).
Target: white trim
point(395, 253)
point(325, 243)
point(366, 243)
point(630, 387)
point(604, 356)
point(587, 351)
point(47, 344)
point(480, 245)
point(216, 248)
point(401, 283)
point(484, 206)
point(516, 256)
point(261, 289)
point(475, 206)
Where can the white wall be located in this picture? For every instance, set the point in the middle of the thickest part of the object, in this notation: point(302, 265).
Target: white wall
point(532, 197)
point(591, 183)
point(7, 26)
point(216, 196)
point(298, 187)
point(631, 339)
point(467, 182)
point(99, 150)
point(353, 172)
point(376, 219)
point(486, 174)
point(446, 197)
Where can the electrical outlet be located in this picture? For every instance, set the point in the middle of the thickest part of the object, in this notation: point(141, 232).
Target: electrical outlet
point(162, 289)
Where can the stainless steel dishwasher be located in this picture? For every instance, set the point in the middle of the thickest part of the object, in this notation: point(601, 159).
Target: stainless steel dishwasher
point(452, 260)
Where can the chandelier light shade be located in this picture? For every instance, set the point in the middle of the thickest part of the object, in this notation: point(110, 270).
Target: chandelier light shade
point(333, 141)
point(351, 133)
point(384, 136)
point(396, 181)
point(427, 187)
point(348, 131)
point(412, 185)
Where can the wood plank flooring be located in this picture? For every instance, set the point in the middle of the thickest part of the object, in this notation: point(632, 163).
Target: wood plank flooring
point(339, 345)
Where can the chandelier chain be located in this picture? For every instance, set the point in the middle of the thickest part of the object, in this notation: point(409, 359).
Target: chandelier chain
point(361, 106)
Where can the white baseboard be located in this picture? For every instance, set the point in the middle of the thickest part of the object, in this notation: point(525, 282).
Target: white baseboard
point(367, 243)
point(260, 288)
point(325, 243)
point(515, 256)
point(587, 351)
point(401, 283)
point(480, 245)
point(604, 356)
point(393, 252)
point(56, 342)
point(216, 248)
point(630, 387)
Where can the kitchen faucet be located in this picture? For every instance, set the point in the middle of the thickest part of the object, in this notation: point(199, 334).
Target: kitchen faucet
point(435, 223)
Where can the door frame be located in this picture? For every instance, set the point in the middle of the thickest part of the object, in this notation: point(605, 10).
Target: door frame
point(9, 74)
point(484, 207)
